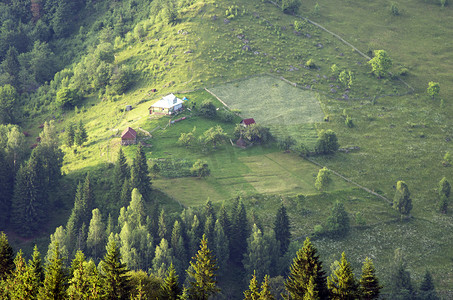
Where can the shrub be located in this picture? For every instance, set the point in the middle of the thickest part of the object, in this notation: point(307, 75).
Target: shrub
point(323, 179)
point(207, 109)
point(349, 122)
point(447, 159)
point(338, 222)
point(232, 12)
point(433, 89)
point(67, 98)
point(327, 142)
point(286, 143)
point(226, 116)
point(310, 64)
point(290, 6)
point(394, 9)
point(200, 169)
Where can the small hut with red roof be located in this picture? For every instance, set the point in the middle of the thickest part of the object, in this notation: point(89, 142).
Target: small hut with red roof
point(129, 136)
point(247, 122)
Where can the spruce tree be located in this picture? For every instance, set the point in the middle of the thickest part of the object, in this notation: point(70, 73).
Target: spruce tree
point(136, 212)
point(239, 233)
point(369, 283)
point(400, 278)
point(114, 278)
point(80, 135)
point(96, 233)
point(208, 211)
point(21, 285)
point(35, 266)
point(306, 264)
point(281, 229)
point(257, 257)
point(170, 288)
point(120, 174)
point(253, 292)
point(69, 135)
point(224, 221)
point(162, 229)
point(6, 186)
point(427, 289)
point(209, 228)
point(338, 222)
point(202, 274)
point(126, 191)
point(6, 257)
point(163, 258)
point(140, 174)
point(55, 280)
point(79, 285)
point(402, 201)
point(341, 283)
point(221, 248)
point(265, 293)
point(444, 187)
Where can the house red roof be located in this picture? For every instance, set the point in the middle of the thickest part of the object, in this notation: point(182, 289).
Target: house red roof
point(129, 133)
point(248, 122)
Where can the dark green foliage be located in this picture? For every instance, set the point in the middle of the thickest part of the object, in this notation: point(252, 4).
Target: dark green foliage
point(253, 133)
point(306, 265)
point(202, 274)
point(239, 232)
point(369, 283)
point(290, 6)
point(120, 174)
point(96, 233)
point(282, 230)
point(140, 174)
point(402, 201)
point(162, 225)
point(221, 247)
point(443, 204)
point(170, 288)
point(6, 186)
point(114, 278)
point(69, 135)
point(427, 289)
point(55, 280)
point(394, 9)
point(253, 292)
point(200, 169)
point(35, 266)
point(207, 109)
point(11, 66)
point(266, 293)
point(80, 136)
point(6, 257)
point(342, 284)
point(338, 222)
point(67, 98)
point(286, 143)
point(8, 99)
point(50, 154)
point(22, 284)
point(121, 79)
point(400, 279)
point(30, 199)
point(126, 190)
point(327, 142)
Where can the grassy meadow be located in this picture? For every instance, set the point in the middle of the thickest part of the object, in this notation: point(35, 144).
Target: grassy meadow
point(398, 138)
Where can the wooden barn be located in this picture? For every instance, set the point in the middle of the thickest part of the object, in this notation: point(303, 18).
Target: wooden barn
point(247, 122)
point(168, 105)
point(129, 136)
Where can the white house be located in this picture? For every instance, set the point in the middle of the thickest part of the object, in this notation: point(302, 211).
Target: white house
point(166, 106)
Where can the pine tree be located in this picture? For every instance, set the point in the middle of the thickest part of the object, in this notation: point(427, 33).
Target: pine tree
point(257, 257)
point(35, 266)
point(209, 228)
point(162, 230)
point(341, 283)
point(221, 247)
point(253, 292)
point(140, 174)
point(170, 288)
point(11, 65)
point(400, 279)
point(55, 280)
point(444, 187)
point(110, 226)
point(239, 233)
point(306, 264)
point(136, 212)
point(163, 258)
point(69, 135)
point(21, 285)
point(78, 283)
point(6, 257)
point(427, 289)
point(402, 201)
point(369, 283)
point(265, 293)
point(6, 186)
point(224, 220)
point(281, 229)
point(312, 293)
point(208, 211)
point(202, 276)
point(114, 278)
point(80, 135)
point(120, 174)
point(96, 233)
point(126, 191)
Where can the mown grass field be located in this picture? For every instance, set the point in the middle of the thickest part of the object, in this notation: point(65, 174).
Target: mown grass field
point(399, 138)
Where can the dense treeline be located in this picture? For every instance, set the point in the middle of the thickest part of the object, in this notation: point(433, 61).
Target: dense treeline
point(112, 278)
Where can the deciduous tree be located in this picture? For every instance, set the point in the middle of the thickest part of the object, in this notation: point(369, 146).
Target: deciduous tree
point(327, 142)
point(402, 201)
point(433, 89)
point(380, 63)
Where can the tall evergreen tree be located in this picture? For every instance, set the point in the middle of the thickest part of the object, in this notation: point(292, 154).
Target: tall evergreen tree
point(342, 284)
point(35, 266)
point(126, 191)
point(427, 289)
point(114, 278)
point(69, 135)
point(120, 173)
point(444, 192)
point(30, 199)
point(163, 258)
point(96, 233)
point(170, 288)
point(312, 293)
point(162, 230)
point(306, 264)
point(221, 247)
point(6, 257)
point(55, 279)
point(402, 201)
point(266, 293)
point(239, 233)
point(208, 211)
point(257, 258)
point(224, 220)
point(338, 222)
point(369, 283)
point(136, 212)
point(209, 228)
point(400, 279)
point(253, 292)
point(21, 284)
point(281, 229)
point(140, 174)
point(6, 186)
point(80, 135)
point(79, 285)
point(202, 274)
point(11, 65)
